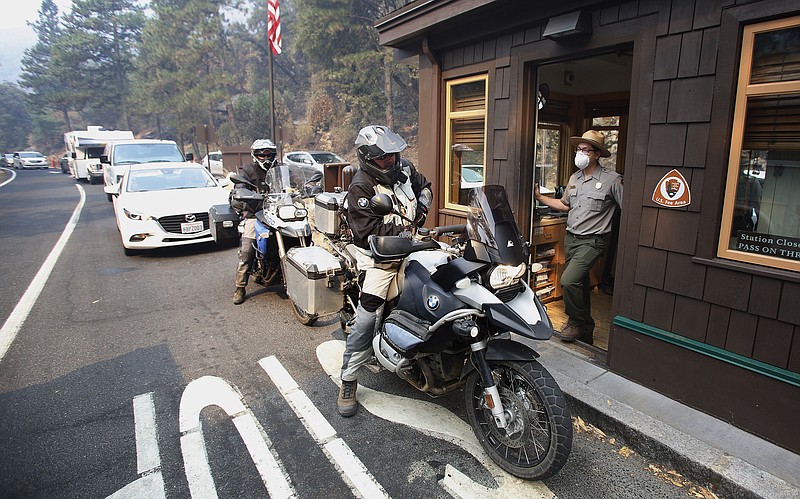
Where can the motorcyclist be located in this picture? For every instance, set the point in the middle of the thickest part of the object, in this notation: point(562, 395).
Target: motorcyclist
point(382, 170)
point(264, 154)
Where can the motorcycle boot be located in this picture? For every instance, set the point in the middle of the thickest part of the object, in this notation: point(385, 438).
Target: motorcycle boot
point(347, 403)
point(246, 255)
point(357, 352)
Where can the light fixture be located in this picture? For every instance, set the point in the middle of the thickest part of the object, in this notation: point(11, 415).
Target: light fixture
point(568, 25)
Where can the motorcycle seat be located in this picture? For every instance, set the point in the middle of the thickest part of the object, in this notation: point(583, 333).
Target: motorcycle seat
point(385, 248)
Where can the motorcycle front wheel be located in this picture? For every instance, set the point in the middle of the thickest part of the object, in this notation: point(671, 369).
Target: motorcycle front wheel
point(538, 439)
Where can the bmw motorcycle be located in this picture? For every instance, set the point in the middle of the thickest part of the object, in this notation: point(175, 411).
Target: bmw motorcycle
point(281, 223)
point(456, 325)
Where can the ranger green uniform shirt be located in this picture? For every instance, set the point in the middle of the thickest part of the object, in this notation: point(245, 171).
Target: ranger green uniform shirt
point(591, 200)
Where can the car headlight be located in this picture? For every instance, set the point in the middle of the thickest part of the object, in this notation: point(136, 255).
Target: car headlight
point(133, 215)
point(503, 276)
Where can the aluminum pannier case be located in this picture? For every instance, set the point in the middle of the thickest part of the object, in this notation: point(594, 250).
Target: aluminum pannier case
point(326, 212)
point(314, 280)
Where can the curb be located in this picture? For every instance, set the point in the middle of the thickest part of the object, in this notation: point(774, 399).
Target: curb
point(725, 474)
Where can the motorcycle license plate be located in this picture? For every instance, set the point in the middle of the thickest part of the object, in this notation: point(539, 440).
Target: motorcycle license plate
point(191, 227)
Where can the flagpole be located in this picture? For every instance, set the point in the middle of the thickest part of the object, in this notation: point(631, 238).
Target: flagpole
point(272, 105)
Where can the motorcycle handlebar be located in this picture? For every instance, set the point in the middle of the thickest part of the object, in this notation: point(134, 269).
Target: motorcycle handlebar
point(447, 229)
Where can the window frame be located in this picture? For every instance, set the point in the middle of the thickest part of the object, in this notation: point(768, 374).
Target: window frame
point(449, 117)
point(744, 91)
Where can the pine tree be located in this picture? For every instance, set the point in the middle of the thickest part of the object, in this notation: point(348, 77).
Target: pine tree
point(39, 74)
point(95, 56)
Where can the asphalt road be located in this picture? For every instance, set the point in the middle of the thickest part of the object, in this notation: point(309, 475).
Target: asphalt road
point(137, 377)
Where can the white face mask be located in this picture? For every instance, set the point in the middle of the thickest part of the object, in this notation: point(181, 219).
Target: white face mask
point(581, 160)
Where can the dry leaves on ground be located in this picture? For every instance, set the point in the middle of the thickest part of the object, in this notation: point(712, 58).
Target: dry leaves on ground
point(679, 480)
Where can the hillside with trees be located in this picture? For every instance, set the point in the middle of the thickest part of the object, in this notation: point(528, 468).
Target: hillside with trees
point(163, 67)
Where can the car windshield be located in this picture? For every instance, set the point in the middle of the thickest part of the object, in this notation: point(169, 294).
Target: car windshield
point(30, 155)
point(94, 152)
point(132, 154)
point(163, 179)
point(472, 173)
point(326, 157)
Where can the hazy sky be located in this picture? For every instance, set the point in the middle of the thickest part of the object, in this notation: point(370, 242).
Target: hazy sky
point(16, 35)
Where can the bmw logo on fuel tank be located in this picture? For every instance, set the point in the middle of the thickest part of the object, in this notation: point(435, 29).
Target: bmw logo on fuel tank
point(433, 302)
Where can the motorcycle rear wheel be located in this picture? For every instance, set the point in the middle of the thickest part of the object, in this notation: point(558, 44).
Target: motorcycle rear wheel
point(538, 439)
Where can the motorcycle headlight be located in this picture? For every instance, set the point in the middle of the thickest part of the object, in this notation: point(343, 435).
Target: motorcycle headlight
point(503, 276)
point(133, 215)
point(290, 213)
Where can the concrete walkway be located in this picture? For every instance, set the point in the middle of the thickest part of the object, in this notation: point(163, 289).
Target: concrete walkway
point(709, 451)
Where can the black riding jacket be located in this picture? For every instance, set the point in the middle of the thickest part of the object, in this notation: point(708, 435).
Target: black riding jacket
point(256, 176)
point(362, 221)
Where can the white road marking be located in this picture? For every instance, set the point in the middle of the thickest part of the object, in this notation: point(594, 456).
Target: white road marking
point(211, 390)
point(355, 474)
point(148, 461)
point(13, 176)
point(17, 317)
point(434, 420)
point(144, 415)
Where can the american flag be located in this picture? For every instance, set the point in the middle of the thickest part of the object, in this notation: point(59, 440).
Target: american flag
point(274, 26)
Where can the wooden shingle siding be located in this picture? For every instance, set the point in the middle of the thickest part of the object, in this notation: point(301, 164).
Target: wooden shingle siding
point(765, 295)
point(708, 52)
point(741, 333)
point(727, 288)
point(690, 318)
point(696, 148)
point(789, 310)
point(677, 231)
point(690, 100)
point(651, 268)
point(773, 341)
point(689, 63)
point(684, 277)
point(668, 56)
point(659, 308)
point(717, 332)
point(681, 16)
point(666, 145)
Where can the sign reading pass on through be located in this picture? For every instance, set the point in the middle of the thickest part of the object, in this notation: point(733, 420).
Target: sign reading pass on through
point(767, 244)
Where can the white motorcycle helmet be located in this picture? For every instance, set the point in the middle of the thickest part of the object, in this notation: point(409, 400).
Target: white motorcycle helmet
point(375, 141)
point(264, 153)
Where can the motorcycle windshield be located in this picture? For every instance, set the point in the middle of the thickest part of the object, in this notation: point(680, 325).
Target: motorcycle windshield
point(284, 184)
point(492, 226)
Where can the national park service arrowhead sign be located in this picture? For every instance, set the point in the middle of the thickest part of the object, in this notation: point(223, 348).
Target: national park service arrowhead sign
point(672, 191)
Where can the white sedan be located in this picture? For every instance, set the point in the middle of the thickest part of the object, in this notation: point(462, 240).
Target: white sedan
point(159, 205)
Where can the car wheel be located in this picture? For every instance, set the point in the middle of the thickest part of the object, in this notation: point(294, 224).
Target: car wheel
point(110, 197)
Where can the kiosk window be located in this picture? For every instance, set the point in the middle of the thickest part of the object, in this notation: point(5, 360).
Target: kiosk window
point(466, 138)
point(761, 215)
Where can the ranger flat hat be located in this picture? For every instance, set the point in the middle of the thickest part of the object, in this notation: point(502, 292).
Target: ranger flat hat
point(591, 137)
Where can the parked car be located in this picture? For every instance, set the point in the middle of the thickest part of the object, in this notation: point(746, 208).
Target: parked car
point(29, 159)
point(160, 205)
point(215, 158)
point(7, 160)
point(310, 160)
point(471, 176)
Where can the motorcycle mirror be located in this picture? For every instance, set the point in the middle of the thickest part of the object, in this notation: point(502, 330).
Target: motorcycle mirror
point(381, 204)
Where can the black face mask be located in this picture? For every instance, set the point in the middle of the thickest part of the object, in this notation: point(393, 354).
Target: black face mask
point(396, 175)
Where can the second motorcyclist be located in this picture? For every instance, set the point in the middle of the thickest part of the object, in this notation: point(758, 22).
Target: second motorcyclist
point(382, 170)
point(264, 153)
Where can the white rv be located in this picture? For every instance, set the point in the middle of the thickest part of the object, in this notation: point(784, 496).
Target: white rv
point(84, 148)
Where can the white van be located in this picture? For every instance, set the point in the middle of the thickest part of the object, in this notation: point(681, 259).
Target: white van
point(84, 148)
